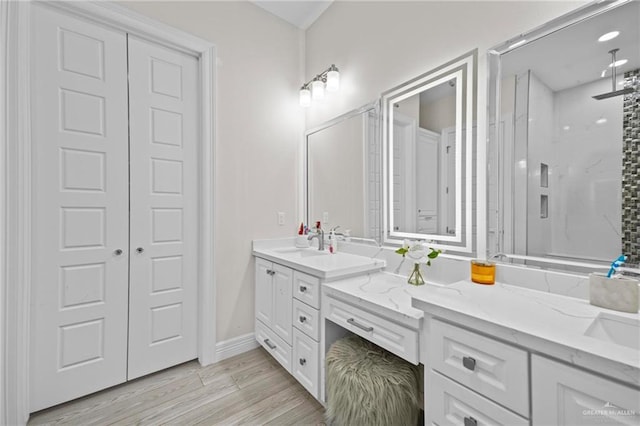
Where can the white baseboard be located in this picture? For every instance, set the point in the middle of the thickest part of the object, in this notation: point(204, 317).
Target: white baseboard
point(237, 345)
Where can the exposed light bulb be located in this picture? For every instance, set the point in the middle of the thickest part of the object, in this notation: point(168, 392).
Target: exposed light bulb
point(305, 97)
point(333, 80)
point(317, 90)
point(609, 36)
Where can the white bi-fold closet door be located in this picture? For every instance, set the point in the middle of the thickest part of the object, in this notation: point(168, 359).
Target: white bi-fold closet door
point(114, 278)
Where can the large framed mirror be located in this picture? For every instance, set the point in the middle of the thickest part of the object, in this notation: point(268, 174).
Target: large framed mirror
point(563, 140)
point(428, 133)
point(343, 184)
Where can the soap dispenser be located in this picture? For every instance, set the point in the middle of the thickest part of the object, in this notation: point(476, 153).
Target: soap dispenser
point(333, 242)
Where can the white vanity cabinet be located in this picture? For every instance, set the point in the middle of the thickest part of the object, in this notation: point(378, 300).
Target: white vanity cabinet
point(306, 334)
point(287, 319)
point(473, 379)
point(562, 394)
point(273, 305)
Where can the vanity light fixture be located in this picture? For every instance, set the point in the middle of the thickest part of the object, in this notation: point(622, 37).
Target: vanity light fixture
point(314, 89)
point(609, 36)
point(317, 90)
point(305, 96)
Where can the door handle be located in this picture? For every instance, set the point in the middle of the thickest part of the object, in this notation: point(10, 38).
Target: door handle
point(302, 318)
point(469, 363)
point(360, 326)
point(118, 252)
point(303, 361)
point(470, 421)
point(303, 289)
point(139, 250)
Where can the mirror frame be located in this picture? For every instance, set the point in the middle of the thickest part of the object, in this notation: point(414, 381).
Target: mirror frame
point(371, 106)
point(464, 70)
point(493, 111)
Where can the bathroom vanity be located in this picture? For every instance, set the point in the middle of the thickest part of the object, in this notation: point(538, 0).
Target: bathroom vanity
point(507, 354)
point(287, 302)
point(492, 354)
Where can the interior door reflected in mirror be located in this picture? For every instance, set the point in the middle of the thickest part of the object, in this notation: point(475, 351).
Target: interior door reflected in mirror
point(428, 156)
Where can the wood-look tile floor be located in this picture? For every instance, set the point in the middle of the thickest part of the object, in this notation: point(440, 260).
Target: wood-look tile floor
point(248, 389)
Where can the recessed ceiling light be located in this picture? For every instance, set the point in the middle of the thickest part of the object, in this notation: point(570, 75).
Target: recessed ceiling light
point(566, 128)
point(618, 63)
point(609, 36)
point(601, 120)
point(518, 43)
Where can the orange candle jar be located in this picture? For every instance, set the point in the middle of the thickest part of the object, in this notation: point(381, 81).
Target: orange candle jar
point(483, 272)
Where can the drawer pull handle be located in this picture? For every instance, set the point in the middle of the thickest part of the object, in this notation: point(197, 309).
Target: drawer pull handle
point(268, 343)
point(302, 361)
point(303, 289)
point(469, 363)
point(303, 318)
point(360, 326)
point(470, 421)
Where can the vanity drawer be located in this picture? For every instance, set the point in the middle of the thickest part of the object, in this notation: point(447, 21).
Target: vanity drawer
point(453, 404)
point(304, 365)
point(306, 319)
point(395, 338)
point(306, 289)
point(494, 369)
point(277, 347)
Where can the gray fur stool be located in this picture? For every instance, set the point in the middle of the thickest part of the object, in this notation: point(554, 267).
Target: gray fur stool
point(367, 385)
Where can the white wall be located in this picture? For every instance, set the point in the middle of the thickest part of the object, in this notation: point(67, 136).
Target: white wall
point(585, 189)
point(259, 126)
point(379, 45)
point(376, 45)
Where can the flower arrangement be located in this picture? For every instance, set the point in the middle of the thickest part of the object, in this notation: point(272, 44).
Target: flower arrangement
point(416, 251)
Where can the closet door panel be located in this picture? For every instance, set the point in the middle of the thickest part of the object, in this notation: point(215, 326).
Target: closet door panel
point(164, 272)
point(79, 287)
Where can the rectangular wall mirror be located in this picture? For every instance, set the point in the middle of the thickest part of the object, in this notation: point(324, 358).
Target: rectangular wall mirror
point(428, 129)
point(343, 176)
point(563, 150)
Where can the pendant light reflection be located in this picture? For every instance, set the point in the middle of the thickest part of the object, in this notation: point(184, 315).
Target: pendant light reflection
point(328, 80)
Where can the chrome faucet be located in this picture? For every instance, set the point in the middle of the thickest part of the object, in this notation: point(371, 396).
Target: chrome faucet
point(319, 234)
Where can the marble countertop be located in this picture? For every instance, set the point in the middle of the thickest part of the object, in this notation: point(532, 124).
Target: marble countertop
point(383, 293)
point(540, 322)
point(323, 265)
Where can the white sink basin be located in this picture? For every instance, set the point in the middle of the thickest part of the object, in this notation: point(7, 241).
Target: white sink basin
point(301, 252)
point(321, 263)
point(615, 329)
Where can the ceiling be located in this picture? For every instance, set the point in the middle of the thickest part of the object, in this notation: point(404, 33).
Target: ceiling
point(301, 13)
point(574, 56)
